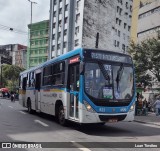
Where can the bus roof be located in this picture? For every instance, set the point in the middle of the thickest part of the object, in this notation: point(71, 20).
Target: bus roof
point(65, 56)
point(59, 58)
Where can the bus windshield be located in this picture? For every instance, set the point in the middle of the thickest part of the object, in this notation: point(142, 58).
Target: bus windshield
point(108, 81)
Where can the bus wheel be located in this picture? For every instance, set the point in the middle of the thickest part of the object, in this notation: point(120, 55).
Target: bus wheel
point(61, 116)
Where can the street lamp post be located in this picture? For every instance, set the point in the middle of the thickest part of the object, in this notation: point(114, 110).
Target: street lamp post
point(32, 2)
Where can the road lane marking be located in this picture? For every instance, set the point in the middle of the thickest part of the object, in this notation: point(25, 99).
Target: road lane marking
point(22, 112)
point(80, 147)
point(11, 107)
point(42, 123)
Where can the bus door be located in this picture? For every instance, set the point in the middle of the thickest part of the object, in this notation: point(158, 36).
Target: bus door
point(37, 91)
point(23, 92)
point(74, 90)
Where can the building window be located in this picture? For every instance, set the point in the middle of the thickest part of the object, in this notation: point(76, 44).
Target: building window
point(66, 7)
point(123, 47)
point(125, 25)
point(77, 17)
point(120, 22)
point(119, 33)
point(78, 5)
point(126, 5)
point(64, 44)
point(60, 23)
point(54, 25)
point(60, 11)
point(124, 36)
point(55, 2)
point(117, 43)
point(53, 37)
point(117, 9)
point(117, 20)
point(120, 11)
point(58, 46)
point(77, 30)
point(65, 32)
point(129, 28)
point(130, 8)
point(76, 42)
point(66, 20)
point(59, 35)
point(54, 14)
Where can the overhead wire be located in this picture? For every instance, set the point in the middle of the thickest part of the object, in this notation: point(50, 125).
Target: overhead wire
point(7, 28)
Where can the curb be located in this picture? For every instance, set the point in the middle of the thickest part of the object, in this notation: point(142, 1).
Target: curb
point(146, 122)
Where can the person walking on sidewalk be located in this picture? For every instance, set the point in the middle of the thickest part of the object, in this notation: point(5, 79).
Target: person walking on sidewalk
point(157, 106)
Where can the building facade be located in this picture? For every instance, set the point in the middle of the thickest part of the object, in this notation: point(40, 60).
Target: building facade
point(38, 44)
point(149, 15)
point(14, 54)
point(19, 55)
point(90, 24)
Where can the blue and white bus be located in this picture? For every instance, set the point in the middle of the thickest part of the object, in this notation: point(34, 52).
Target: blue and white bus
point(83, 85)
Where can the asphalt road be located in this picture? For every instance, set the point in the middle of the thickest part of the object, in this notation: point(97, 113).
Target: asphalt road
point(17, 125)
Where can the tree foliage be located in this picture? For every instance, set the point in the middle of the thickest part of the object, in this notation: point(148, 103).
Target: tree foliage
point(146, 57)
point(10, 74)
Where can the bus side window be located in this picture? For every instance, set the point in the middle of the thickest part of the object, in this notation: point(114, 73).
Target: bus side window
point(24, 83)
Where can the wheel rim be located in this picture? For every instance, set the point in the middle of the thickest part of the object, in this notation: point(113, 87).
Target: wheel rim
point(61, 116)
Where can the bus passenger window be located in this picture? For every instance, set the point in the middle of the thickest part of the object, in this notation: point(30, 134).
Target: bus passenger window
point(24, 83)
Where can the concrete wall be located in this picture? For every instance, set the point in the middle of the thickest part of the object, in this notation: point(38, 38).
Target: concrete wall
point(98, 18)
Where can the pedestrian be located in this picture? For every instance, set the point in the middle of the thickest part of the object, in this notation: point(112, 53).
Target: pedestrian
point(145, 107)
point(12, 97)
point(149, 106)
point(157, 106)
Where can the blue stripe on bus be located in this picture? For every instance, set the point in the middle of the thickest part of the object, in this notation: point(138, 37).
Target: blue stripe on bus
point(103, 109)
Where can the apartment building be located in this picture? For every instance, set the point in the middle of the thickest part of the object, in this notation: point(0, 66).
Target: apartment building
point(89, 23)
point(15, 54)
point(149, 20)
point(38, 43)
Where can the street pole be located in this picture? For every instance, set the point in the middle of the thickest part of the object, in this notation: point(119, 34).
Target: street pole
point(32, 2)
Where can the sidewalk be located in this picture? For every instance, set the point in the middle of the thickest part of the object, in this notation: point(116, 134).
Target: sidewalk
point(150, 119)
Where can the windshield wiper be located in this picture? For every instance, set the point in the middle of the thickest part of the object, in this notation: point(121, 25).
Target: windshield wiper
point(119, 75)
point(105, 73)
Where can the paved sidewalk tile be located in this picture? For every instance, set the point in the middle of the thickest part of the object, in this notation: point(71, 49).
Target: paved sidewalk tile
point(151, 118)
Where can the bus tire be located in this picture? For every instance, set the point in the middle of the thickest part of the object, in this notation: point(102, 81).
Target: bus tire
point(29, 107)
point(61, 116)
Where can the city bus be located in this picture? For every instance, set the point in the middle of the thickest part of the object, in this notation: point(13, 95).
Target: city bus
point(83, 86)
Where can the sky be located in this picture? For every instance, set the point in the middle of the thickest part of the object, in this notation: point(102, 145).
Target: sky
point(16, 14)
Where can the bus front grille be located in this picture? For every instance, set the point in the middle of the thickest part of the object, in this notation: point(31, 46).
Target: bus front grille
point(108, 117)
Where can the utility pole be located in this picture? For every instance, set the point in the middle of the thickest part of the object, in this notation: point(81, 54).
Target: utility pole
point(32, 2)
point(28, 64)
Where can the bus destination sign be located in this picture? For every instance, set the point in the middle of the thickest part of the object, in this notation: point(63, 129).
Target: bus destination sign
point(74, 60)
point(107, 56)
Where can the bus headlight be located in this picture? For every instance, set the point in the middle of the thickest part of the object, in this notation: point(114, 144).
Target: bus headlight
point(88, 107)
point(132, 108)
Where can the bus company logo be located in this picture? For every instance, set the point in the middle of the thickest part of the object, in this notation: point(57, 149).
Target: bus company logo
point(73, 60)
point(123, 109)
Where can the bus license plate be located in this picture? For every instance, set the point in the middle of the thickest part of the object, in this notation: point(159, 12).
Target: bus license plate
point(112, 120)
